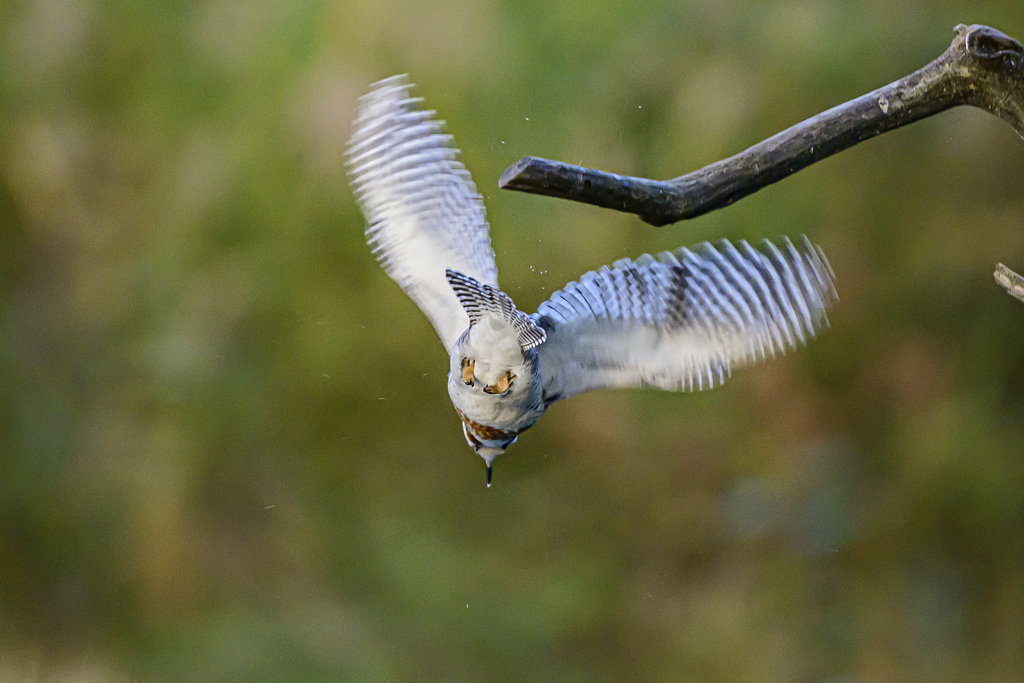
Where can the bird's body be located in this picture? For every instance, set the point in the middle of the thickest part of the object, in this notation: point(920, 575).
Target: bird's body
point(679, 320)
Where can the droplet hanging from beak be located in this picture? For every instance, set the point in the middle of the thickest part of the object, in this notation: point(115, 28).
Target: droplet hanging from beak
point(488, 475)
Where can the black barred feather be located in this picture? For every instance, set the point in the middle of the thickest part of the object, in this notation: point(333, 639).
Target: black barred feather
point(480, 300)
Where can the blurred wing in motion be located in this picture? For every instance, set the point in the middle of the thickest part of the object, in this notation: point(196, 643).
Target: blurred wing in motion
point(683, 319)
point(422, 209)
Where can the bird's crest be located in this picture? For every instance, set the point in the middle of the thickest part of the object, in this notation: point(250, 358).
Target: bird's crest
point(480, 300)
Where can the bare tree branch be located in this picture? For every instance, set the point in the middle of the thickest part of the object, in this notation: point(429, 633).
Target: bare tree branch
point(983, 68)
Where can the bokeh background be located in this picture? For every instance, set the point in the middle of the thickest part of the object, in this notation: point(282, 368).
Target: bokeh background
point(226, 448)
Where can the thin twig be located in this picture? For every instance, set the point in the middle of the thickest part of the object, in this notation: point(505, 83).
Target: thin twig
point(983, 68)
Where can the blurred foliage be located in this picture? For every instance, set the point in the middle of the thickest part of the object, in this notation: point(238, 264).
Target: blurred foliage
point(226, 448)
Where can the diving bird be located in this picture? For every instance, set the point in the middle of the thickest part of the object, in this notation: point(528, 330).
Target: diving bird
point(680, 320)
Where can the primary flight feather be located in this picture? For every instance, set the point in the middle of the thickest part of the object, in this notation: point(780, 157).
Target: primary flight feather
point(678, 320)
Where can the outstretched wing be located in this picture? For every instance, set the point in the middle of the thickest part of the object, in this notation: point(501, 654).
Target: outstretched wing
point(683, 319)
point(422, 209)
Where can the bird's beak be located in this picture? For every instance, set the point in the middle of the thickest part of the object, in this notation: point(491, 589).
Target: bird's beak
point(489, 454)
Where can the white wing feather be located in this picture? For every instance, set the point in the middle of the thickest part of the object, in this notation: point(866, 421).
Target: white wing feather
point(422, 209)
point(684, 319)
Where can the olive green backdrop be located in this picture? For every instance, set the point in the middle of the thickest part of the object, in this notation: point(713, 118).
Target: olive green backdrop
point(226, 448)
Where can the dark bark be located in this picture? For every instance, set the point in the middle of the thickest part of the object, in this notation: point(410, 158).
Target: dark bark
point(983, 68)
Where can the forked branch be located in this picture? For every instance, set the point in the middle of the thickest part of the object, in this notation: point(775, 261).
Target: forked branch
point(983, 68)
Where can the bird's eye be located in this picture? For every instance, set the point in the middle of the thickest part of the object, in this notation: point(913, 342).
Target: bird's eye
point(467, 371)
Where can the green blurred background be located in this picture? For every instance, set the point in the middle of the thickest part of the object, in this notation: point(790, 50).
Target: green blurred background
point(226, 448)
